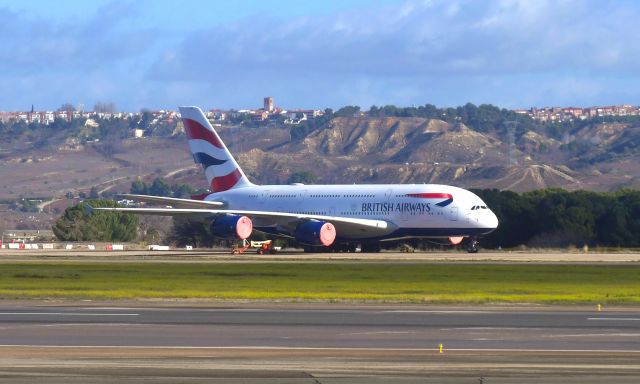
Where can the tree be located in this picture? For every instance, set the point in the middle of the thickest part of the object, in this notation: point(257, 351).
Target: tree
point(189, 232)
point(348, 111)
point(139, 187)
point(304, 177)
point(93, 193)
point(160, 187)
point(67, 107)
point(77, 224)
point(145, 120)
point(101, 107)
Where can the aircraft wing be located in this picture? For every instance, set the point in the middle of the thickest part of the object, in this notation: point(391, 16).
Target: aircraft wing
point(354, 227)
point(172, 201)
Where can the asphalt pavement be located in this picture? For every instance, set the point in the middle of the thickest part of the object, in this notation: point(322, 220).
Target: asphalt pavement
point(317, 343)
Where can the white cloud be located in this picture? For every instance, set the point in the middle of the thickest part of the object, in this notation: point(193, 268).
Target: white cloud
point(508, 52)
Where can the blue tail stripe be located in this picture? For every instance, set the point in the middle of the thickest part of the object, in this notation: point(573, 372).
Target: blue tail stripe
point(444, 203)
point(206, 160)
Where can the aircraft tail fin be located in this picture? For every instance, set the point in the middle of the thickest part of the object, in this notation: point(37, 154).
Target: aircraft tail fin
point(221, 169)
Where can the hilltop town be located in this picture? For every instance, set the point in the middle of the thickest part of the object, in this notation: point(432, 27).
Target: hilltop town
point(270, 112)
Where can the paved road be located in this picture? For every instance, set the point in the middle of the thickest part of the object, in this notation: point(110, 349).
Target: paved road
point(318, 344)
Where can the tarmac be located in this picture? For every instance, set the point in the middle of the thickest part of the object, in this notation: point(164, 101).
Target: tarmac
point(553, 256)
point(198, 342)
point(305, 343)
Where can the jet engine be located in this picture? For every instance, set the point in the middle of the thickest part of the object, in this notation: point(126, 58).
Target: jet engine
point(232, 226)
point(315, 233)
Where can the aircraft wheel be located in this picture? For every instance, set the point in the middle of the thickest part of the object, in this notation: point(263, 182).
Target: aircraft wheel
point(474, 246)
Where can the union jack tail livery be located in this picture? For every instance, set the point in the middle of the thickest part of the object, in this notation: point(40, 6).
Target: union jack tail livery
point(221, 169)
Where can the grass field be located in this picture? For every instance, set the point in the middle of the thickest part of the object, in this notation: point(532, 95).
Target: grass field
point(331, 281)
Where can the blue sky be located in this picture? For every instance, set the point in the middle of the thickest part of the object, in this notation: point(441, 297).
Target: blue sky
point(317, 54)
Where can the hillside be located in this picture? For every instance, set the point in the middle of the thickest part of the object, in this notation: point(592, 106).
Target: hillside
point(598, 157)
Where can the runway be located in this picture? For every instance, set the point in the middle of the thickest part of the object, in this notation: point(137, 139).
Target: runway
point(225, 256)
point(328, 344)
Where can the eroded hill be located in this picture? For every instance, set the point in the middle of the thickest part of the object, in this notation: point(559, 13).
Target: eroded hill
point(597, 157)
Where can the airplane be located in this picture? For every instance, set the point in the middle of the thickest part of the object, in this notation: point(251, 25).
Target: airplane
point(335, 217)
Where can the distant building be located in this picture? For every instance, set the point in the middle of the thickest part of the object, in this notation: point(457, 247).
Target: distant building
point(217, 115)
point(260, 115)
point(268, 104)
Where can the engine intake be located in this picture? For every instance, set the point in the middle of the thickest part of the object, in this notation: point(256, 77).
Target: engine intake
point(315, 233)
point(232, 226)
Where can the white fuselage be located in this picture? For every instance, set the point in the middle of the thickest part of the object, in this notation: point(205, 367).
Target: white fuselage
point(412, 210)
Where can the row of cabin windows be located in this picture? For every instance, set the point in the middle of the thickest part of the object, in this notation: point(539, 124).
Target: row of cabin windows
point(342, 195)
point(292, 196)
point(382, 213)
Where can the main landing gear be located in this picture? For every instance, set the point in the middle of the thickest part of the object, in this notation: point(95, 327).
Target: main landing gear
point(473, 245)
point(370, 247)
point(342, 248)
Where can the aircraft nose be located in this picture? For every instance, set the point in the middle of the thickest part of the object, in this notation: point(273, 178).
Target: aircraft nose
point(491, 220)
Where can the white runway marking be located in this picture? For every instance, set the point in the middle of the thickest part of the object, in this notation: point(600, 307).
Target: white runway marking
point(614, 318)
point(595, 335)
point(437, 312)
point(363, 349)
point(378, 333)
point(65, 314)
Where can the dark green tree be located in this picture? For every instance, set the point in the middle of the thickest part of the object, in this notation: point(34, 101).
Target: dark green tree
point(190, 232)
point(93, 193)
point(139, 187)
point(77, 224)
point(348, 111)
point(160, 187)
point(304, 177)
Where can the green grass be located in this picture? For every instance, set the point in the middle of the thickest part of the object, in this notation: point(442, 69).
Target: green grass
point(330, 281)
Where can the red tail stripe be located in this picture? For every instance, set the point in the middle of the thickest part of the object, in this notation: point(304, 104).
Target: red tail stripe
point(199, 197)
point(223, 183)
point(431, 195)
point(195, 131)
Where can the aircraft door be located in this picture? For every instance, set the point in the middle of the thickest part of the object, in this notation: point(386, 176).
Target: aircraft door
point(404, 216)
point(264, 196)
point(388, 193)
point(453, 213)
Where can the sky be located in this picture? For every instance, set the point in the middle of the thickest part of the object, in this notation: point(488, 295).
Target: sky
point(161, 54)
